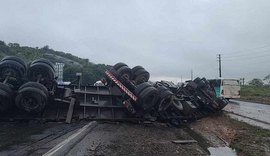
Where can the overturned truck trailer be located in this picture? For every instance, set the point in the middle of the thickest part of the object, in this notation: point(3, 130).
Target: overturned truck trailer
point(31, 92)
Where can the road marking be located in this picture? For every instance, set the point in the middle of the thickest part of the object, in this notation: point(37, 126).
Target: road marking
point(63, 147)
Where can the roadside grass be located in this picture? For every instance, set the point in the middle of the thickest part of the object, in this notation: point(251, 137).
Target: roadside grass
point(250, 140)
point(255, 94)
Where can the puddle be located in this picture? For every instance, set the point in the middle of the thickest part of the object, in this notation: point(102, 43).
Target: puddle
point(221, 151)
point(203, 143)
point(206, 145)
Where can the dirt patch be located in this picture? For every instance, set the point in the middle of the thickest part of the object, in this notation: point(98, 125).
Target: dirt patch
point(144, 140)
point(217, 125)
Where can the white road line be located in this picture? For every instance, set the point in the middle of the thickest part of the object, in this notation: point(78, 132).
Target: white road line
point(63, 147)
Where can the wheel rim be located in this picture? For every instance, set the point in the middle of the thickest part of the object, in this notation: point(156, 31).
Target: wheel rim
point(29, 103)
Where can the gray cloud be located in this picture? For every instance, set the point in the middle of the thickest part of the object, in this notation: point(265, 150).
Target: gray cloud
point(169, 38)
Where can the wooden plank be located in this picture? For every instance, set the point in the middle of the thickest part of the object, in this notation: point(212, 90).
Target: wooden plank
point(70, 110)
point(184, 141)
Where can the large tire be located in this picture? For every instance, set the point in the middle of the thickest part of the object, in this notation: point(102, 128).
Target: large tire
point(6, 88)
point(165, 100)
point(141, 87)
point(16, 59)
point(119, 65)
point(5, 101)
point(136, 68)
point(178, 105)
point(12, 68)
point(125, 71)
point(36, 85)
point(44, 61)
point(42, 69)
point(147, 98)
point(31, 100)
point(141, 76)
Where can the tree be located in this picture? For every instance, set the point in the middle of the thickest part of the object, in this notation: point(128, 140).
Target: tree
point(267, 78)
point(256, 82)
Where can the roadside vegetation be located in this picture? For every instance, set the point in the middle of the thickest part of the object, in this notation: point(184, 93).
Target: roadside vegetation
point(245, 139)
point(250, 140)
point(91, 72)
point(260, 94)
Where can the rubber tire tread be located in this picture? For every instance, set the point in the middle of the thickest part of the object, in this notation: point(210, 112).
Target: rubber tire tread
point(40, 65)
point(17, 59)
point(144, 94)
point(119, 65)
point(6, 88)
point(123, 70)
point(38, 97)
point(14, 65)
point(36, 85)
point(141, 87)
point(43, 60)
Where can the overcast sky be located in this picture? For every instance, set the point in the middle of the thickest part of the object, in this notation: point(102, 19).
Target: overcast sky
point(168, 37)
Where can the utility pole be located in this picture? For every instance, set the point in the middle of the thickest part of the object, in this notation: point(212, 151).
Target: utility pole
point(191, 74)
point(219, 64)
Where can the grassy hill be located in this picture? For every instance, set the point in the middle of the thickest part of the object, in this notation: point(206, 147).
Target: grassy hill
point(91, 72)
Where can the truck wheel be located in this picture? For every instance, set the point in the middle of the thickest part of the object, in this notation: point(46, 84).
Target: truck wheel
point(16, 59)
point(141, 76)
point(177, 104)
point(148, 98)
point(40, 69)
point(31, 100)
point(36, 85)
point(136, 68)
point(12, 68)
point(125, 71)
point(44, 61)
point(165, 100)
point(119, 65)
point(6, 88)
point(141, 87)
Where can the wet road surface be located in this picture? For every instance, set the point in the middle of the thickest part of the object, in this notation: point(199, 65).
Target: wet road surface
point(252, 113)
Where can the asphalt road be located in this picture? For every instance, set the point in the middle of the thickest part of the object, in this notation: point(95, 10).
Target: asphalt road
point(252, 113)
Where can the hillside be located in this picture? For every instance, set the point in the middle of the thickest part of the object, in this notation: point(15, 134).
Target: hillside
point(91, 72)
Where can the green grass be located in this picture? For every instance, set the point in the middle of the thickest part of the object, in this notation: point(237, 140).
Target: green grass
point(247, 91)
point(250, 140)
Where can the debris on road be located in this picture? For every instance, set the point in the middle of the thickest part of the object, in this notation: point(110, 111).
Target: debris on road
point(184, 141)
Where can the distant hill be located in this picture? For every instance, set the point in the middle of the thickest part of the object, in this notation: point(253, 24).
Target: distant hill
point(91, 72)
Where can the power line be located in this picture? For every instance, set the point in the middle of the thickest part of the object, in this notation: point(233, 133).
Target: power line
point(250, 53)
point(244, 50)
point(245, 57)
